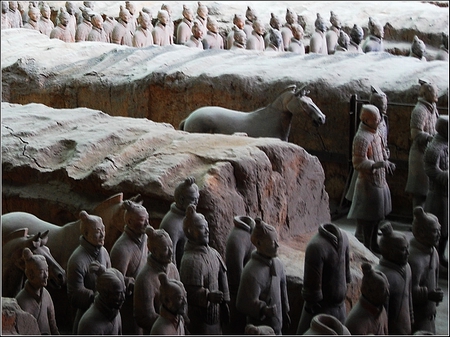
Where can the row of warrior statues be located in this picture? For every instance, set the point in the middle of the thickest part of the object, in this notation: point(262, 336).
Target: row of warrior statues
point(169, 280)
point(200, 30)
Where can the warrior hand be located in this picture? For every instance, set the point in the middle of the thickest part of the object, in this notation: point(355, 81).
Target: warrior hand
point(270, 311)
point(390, 168)
point(215, 296)
point(436, 295)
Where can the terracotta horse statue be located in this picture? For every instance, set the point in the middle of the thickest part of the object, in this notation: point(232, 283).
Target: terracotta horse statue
point(273, 120)
point(13, 265)
point(64, 239)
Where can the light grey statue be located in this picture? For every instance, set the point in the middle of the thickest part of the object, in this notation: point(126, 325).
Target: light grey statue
point(394, 264)
point(186, 193)
point(369, 316)
point(374, 42)
point(318, 42)
point(423, 128)
point(262, 294)
point(418, 49)
point(147, 299)
point(326, 275)
point(372, 198)
point(424, 262)
point(436, 168)
point(333, 33)
point(356, 37)
point(103, 317)
point(238, 250)
point(203, 273)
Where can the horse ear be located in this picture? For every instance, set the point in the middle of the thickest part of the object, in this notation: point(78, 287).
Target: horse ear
point(302, 91)
point(290, 87)
point(44, 237)
point(36, 240)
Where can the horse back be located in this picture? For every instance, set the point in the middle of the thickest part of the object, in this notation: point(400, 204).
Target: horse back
point(16, 220)
point(214, 119)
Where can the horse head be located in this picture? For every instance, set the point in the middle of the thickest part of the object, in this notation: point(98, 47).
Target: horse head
point(37, 244)
point(301, 102)
point(56, 274)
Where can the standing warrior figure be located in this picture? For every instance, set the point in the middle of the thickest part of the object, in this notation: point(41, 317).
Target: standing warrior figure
point(34, 298)
point(186, 193)
point(262, 294)
point(203, 273)
point(326, 275)
point(143, 35)
point(394, 264)
point(45, 24)
point(333, 33)
point(374, 42)
point(80, 282)
point(356, 36)
point(121, 33)
point(147, 297)
point(184, 29)
point(318, 42)
point(424, 262)
point(436, 168)
point(423, 128)
point(287, 29)
point(371, 200)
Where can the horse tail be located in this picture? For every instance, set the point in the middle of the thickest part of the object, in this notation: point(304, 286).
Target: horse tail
point(181, 126)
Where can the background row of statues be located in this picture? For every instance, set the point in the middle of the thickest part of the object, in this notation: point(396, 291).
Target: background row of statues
point(139, 287)
point(427, 170)
point(200, 30)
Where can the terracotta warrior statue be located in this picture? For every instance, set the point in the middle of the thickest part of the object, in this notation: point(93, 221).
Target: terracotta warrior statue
point(374, 42)
point(72, 11)
point(436, 168)
point(296, 44)
point(202, 16)
point(343, 42)
point(162, 30)
point(275, 42)
point(333, 33)
point(173, 309)
point(424, 262)
point(34, 15)
point(213, 39)
point(103, 317)
point(97, 32)
point(133, 21)
point(379, 99)
point(196, 39)
point(256, 39)
point(186, 193)
point(318, 42)
point(394, 264)
point(275, 26)
point(184, 29)
point(356, 36)
point(240, 39)
point(45, 24)
point(85, 27)
point(143, 35)
point(371, 200)
point(203, 273)
point(6, 23)
point(250, 17)
point(368, 316)
point(238, 250)
point(15, 18)
point(147, 298)
point(287, 29)
point(418, 49)
point(326, 275)
point(61, 31)
point(80, 282)
point(170, 24)
point(442, 54)
point(262, 294)
point(238, 24)
point(121, 33)
point(129, 255)
point(423, 128)
point(34, 298)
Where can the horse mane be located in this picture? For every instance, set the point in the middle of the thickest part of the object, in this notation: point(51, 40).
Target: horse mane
point(114, 200)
